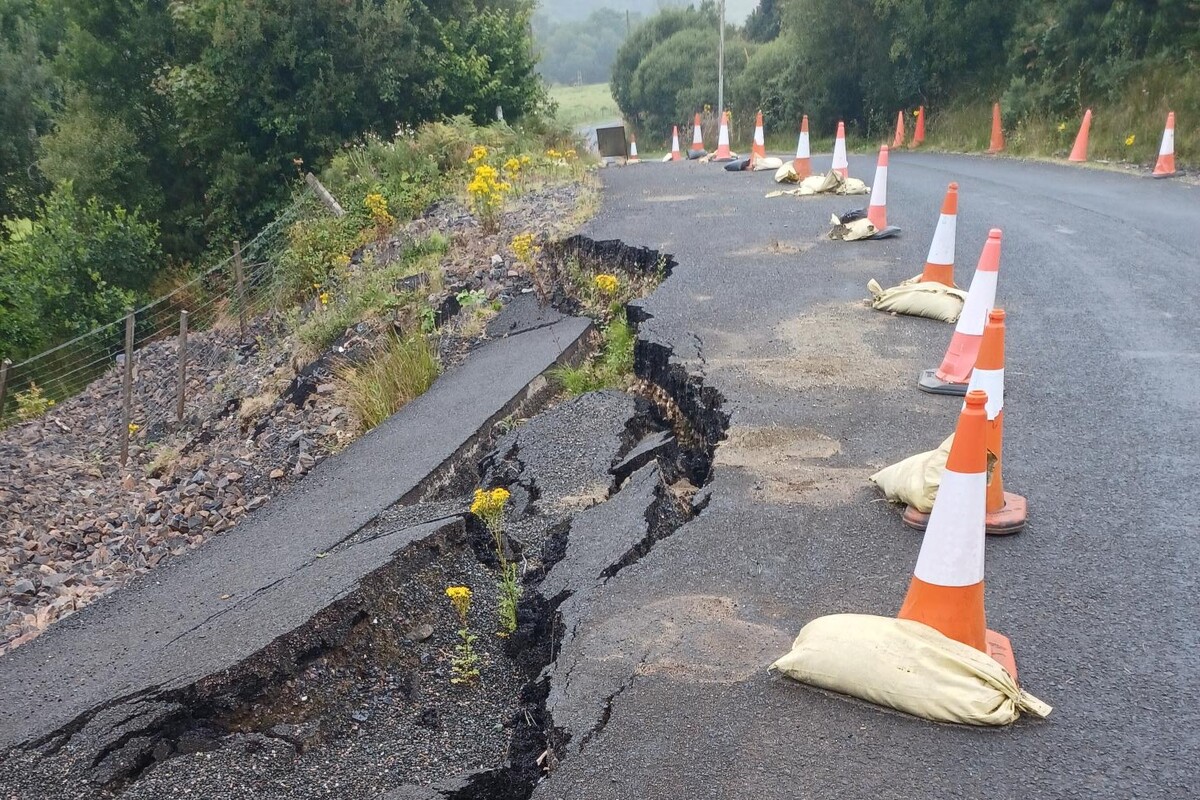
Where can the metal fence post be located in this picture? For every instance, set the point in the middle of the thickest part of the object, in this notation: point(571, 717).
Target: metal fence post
point(4, 365)
point(182, 379)
point(127, 388)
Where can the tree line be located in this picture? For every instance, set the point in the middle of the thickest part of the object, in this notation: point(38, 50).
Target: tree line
point(861, 61)
point(139, 133)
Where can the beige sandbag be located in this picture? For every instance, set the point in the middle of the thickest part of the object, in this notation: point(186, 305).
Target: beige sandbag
point(853, 230)
point(907, 666)
point(919, 299)
point(829, 183)
point(915, 480)
point(768, 163)
point(787, 173)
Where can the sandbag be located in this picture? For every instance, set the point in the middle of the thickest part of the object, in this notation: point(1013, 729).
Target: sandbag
point(829, 183)
point(919, 299)
point(915, 480)
point(767, 163)
point(907, 666)
point(849, 229)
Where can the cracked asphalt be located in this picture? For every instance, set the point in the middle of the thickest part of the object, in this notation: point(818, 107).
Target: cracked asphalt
point(666, 692)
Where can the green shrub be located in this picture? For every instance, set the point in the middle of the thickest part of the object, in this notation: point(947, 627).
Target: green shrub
point(403, 369)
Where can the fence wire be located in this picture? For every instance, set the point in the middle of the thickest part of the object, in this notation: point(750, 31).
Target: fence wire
point(94, 361)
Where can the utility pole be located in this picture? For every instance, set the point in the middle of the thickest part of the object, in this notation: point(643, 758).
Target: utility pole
point(721, 62)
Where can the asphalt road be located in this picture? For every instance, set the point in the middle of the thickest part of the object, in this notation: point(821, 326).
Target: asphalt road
point(1099, 277)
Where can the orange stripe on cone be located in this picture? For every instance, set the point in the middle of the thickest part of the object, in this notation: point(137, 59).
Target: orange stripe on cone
point(997, 144)
point(1006, 513)
point(919, 133)
point(947, 588)
point(697, 135)
point(877, 210)
point(968, 333)
point(675, 154)
point(1165, 167)
point(759, 150)
point(723, 152)
point(946, 591)
point(939, 263)
point(803, 162)
point(898, 139)
point(1079, 151)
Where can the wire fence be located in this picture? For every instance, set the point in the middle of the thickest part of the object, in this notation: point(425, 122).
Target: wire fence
point(232, 295)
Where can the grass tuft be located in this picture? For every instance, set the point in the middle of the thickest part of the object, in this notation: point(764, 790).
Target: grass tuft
point(610, 368)
point(401, 370)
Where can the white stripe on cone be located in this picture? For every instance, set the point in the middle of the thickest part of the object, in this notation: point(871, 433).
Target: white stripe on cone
point(698, 139)
point(758, 137)
point(879, 188)
point(981, 298)
point(941, 249)
point(802, 145)
point(1168, 143)
point(952, 551)
point(675, 142)
point(992, 382)
point(723, 137)
point(839, 156)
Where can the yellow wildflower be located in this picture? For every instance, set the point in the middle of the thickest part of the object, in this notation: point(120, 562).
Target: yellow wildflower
point(460, 598)
point(324, 298)
point(512, 165)
point(1062, 126)
point(489, 503)
point(524, 248)
point(134, 428)
point(526, 160)
point(377, 204)
point(478, 153)
point(607, 284)
point(553, 154)
point(1129, 140)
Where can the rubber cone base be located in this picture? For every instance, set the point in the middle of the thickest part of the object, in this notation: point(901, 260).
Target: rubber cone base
point(1008, 520)
point(1000, 649)
point(886, 233)
point(1177, 173)
point(930, 382)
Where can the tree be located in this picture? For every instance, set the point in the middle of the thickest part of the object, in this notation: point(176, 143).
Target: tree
point(764, 21)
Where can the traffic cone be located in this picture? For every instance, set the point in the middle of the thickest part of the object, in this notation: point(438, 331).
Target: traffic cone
point(997, 144)
point(939, 264)
point(946, 591)
point(633, 156)
point(675, 154)
point(898, 140)
point(759, 150)
point(803, 162)
point(954, 373)
point(697, 136)
point(840, 165)
point(1165, 168)
point(1006, 512)
point(723, 152)
point(1079, 151)
point(877, 210)
point(919, 134)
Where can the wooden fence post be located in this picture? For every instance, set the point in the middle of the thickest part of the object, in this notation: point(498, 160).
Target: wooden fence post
point(182, 379)
point(127, 388)
point(324, 195)
point(239, 273)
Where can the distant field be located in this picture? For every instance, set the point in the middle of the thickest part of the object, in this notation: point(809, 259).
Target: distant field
point(584, 105)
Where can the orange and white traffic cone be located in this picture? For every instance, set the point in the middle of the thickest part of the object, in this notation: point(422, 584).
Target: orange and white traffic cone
point(997, 144)
point(1165, 168)
point(1079, 151)
point(723, 153)
point(946, 591)
point(759, 150)
point(675, 154)
point(697, 136)
point(898, 140)
point(840, 165)
point(877, 210)
point(1006, 512)
point(939, 264)
point(633, 156)
point(955, 372)
point(919, 134)
point(803, 162)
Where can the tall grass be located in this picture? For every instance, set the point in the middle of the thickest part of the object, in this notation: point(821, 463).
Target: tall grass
point(610, 368)
point(1140, 113)
point(401, 370)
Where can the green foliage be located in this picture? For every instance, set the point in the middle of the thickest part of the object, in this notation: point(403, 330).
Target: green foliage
point(400, 371)
point(318, 249)
point(580, 51)
point(32, 403)
point(76, 267)
point(27, 90)
point(764, 21)
point(611, 368)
